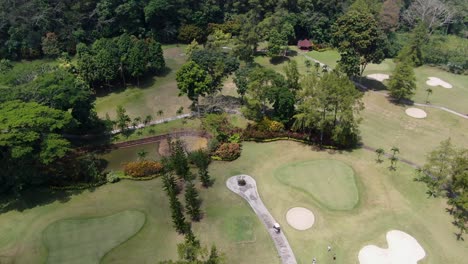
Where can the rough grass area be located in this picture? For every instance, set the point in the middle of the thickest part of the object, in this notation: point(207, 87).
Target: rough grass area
point(388, 200)
point(330, 182)
point(158, 93)
point(88, 240)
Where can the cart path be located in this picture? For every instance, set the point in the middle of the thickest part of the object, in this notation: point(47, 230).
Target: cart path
point(249, 192)
point(385, 94)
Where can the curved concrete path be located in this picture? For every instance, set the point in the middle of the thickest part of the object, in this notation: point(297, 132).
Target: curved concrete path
point(249, 192)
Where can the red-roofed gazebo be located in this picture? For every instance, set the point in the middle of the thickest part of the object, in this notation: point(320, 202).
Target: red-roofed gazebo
point(304, 44)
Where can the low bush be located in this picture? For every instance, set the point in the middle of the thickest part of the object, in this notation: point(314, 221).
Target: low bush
point(143, 168)
point(228, 151)
point(252, 133)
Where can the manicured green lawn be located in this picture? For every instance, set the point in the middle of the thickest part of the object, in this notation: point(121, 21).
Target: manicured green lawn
point(330, 182)
point(388, 200)
point(159, 93)
point(386, 125)
point(88, 240)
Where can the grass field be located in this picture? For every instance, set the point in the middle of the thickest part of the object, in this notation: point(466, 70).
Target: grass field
point(159, 93)
point(313, 177)
point(88, 240)
point(388, 200)
point(386, 125)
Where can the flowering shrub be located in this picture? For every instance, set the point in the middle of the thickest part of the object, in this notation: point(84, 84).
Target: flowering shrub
point(252, 133)
point(142, 168)
point(228, 151)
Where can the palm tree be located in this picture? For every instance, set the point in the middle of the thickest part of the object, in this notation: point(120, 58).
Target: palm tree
point(429, 92)
point(160, 112)
point(147, 120)
point(142, 154)
point(380, 152)
point(393, 161)
point(180, 110)
point(137, 120)
point(395, 150)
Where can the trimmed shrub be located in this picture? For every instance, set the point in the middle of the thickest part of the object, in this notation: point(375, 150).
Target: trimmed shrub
point(143, 168)
point(228, 151)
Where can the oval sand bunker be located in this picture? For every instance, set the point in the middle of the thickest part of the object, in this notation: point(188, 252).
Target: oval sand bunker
point(378, 77)
point(300, 218)
point(416, 113)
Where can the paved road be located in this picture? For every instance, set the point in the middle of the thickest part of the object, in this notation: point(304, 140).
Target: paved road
point(249, 192)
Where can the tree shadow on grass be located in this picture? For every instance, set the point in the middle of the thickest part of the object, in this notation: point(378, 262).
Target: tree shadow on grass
point(279, 60)
point(373, 85)
point(31, 198)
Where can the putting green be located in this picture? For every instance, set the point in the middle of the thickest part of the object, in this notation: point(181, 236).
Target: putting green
point(88, 240)
point(330, 182)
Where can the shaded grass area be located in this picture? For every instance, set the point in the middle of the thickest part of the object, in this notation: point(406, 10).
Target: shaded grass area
point(162, 93)
point(330, 182)
point(388, 200)
point(159, 129)
point(88, 240)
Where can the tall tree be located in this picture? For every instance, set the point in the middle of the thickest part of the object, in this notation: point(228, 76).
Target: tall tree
point(192, 201)
point(433, 13)
point(178, 160)
point(122, 118)
point(446, 174)
point(357, 33)
point(402, 83)
point(30, 139)
point(413, 51)
point(178, 218)
point(193, 81)
point(292, 76)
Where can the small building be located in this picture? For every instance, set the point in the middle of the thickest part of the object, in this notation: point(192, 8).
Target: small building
point(304, 44)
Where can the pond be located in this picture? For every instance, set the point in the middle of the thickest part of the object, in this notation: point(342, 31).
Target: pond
point(117, 157)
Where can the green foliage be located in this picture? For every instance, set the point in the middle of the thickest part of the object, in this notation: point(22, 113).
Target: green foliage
point(50, 45)
point(31, 139)
point(413, 51)
point(188, 33)
point(112, 177)
point(329, 105)
point(292, 75)
point(241, 80)
point(357, 33)
point(277, 43)
point(402, 83)
point(192, 201)
point(193, 81)
point(178, 160)
point(178, 218)
point(217, 64)
point(123, 119)
point(446, 174)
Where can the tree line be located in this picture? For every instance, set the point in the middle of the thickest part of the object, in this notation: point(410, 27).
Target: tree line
point(32, 29)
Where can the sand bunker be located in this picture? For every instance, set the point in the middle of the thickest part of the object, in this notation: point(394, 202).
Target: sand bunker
point(434, 81)
point(402, 249)
point(416, 113)
point(300, 218)
point(378, 76)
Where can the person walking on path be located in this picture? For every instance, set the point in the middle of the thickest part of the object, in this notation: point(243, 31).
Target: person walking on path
point(329, 248)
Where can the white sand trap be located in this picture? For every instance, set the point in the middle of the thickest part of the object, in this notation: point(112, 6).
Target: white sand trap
point(378, 76)
point(402, 249)
point(434, 81)
point(300, 218)
point(416, 112)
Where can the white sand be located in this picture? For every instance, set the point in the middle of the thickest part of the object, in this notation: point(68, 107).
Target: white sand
point(434, 81)
point(378, 76)
point(300, 218)
point(416, 113)
point(402, 249)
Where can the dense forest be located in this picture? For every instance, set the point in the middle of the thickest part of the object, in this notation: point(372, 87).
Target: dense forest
point(32, 29)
